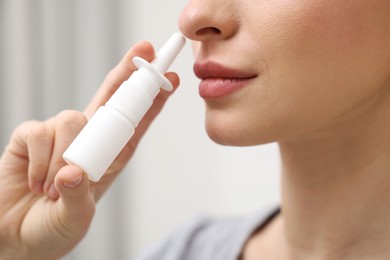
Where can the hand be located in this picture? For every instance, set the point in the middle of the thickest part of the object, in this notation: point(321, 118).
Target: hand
point(47, 206)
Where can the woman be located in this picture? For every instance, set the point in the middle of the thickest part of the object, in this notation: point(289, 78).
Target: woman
point(312, 75)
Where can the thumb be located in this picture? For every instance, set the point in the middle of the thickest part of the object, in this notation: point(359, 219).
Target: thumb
point(76, 203)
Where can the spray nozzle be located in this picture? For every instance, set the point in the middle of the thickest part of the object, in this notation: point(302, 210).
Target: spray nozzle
point(164, 58)
point(168, 52)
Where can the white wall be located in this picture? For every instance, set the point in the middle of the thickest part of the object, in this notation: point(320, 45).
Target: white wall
point(177, 171)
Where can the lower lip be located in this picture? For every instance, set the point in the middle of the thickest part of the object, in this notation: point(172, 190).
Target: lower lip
point(221, 87)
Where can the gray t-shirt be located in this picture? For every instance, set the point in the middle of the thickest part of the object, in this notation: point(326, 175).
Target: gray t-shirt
point(204, 238)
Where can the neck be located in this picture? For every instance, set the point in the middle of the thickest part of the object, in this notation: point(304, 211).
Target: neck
point(335, 189)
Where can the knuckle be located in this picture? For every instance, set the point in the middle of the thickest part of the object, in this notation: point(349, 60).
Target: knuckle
point(33, 131)
point(71, 119)
point(25, 127)
point(39, 133)
point(68, 115)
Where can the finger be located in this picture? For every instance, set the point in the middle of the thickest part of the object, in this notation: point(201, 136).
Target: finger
point(76, 205)
point(30, 148)
point(40, 145)
point(118, 75)
point(67, 125)
point(18, 142)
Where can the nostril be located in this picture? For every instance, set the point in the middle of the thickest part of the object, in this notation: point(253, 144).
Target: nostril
point(208, 30)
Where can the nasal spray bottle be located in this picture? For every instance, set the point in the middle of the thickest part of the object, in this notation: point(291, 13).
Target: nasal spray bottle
point(113, 124)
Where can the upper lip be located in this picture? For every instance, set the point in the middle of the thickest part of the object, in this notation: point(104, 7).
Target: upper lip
point(212, 69)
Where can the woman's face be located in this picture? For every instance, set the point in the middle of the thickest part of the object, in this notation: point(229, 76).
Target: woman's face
point(275, 70)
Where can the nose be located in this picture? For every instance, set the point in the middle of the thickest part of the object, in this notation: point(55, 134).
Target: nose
point(208, 20)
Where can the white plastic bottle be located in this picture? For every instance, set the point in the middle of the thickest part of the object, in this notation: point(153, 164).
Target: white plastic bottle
point(113, 124)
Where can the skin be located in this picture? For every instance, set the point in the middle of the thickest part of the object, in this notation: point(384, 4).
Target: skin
point(317, 61)
point(322, 92)
point(47, 206)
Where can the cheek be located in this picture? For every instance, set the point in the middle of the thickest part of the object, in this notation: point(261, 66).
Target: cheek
point(326, 57)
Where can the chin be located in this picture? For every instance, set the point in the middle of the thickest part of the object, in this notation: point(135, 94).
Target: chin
point(223, 137)
point(230, 133)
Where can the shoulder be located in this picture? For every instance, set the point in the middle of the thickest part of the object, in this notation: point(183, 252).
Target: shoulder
point(205, 237)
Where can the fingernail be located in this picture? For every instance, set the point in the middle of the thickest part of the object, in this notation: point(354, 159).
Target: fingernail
point(52, 192)
point(38, 187)
point(73, 182)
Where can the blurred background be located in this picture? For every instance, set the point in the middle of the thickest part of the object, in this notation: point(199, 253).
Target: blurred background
point(53, 56)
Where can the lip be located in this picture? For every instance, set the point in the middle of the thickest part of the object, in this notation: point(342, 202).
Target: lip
point(218, 81)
